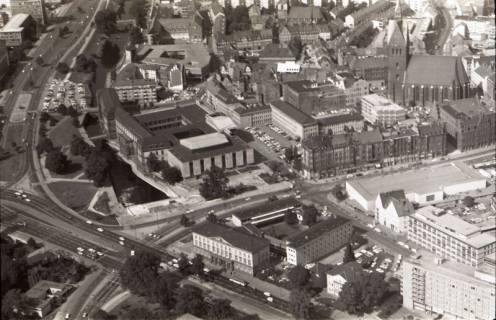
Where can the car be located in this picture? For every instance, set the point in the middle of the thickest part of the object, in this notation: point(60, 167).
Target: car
point(99, 253)
point(121, 238)
point(189, 211)
point(377, 230)
point(89, 222)
point(267, 294)
point(84, 315)
point(99, 229)
point(67, 316)
point(132, 253)
point(211, 212)
point(370, 225)
point(121, 243)
point(27, 199)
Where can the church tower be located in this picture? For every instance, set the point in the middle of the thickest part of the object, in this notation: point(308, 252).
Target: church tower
point(397, 55)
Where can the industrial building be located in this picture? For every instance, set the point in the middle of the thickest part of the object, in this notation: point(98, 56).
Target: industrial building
point(423, 186)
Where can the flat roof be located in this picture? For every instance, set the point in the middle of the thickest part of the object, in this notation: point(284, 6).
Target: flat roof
point(468, 107)
point(292, 112)
point(265, 208)
point(454, 226)
point(451, 269)
point(236, 237)
point(204, 141)
point(15, 23)
point(316, 231)
point(193, 55)
point(185, 154)
point(378, 102)
point(423, 180)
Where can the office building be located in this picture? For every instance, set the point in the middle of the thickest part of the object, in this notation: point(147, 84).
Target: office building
point(20, 28)
point(450, 237)
point(444, 287)
point(35, 8)
point(381, 111)
point(132, 87)
point(294, 122)
point(318, 241)
point(424, 186)
point(470, 123)
point(230, 248)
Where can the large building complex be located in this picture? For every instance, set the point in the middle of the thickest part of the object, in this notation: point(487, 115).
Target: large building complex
point(448, 288)
point(20, 28)
point(319, 240)
point(178, 135)
point(470, 123)
point(423, 186)
point(230, 248)
point(380, 110)
point(293, 121)
point(35, 8)
point(450, 237)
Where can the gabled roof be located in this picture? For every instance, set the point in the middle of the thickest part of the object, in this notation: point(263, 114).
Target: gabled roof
point(350, 271)
point(401, 204)
point(309, 12)
point(234, 236)
point(394, 36)
point(448, 71)
point(316, 231)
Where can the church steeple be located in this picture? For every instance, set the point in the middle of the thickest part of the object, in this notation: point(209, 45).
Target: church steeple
point(398, 14)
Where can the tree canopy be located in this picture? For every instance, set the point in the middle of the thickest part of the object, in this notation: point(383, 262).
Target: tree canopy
point(110, 54)
point(290, 217)
point(138, 11)
point(56, 161)
point(309, 215)
point(79, 147)
point(139, 272)
point(190, 299)
point(348, 254)
point(301, 304)
point(237, 19)
point(298, 277)
point(214, 184)
point(106, 21)
point(171, 175)
point(99, 162)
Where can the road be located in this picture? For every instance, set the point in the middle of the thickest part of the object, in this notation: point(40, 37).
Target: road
point(445, 32)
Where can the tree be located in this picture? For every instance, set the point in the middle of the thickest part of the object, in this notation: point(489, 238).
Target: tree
point(97, 168)
point(197, 265)
point(139, 272)
point(469, 201)
point(214, 64)
point(183, 264)
point(220, 309)
point(79, 147)
point(44, 116)
point(349, 255)
point(45, 145)
point(12, 304)
point(110, 54)
point(289, 154)
point(62, 109)
point(135, 36)
point(106, 21)
point(84, 64)
point(184, 221)
point(237, 19)
point(56, 161)
point(309, 215)
point(137, 10)
point(62, 68)
point(163, 288)
point(153, 163)
point(214, 184)
point(298, 277)
point(172, 175)
point(301, 304)
point(212, 218)
point(296, 47)
point(190, 300)
point(290, 217)
point(39, 61)
point(72, 112)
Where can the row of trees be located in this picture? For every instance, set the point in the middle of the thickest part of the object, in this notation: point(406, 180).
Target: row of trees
point(141, 276)
point(171, 175)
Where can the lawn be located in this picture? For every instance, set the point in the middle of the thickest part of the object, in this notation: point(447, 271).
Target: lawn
point(61, 134)
point(136, 302)
point(92, 126)
point(75, 168)
point(110, 219)
point(281, 230)
point(102, 204)
point(75, 195)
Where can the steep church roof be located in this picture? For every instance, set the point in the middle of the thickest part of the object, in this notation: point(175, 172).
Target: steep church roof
point(436, 70)
point(394, 36)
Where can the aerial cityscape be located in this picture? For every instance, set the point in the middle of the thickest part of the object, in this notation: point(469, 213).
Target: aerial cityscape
point(247, 159)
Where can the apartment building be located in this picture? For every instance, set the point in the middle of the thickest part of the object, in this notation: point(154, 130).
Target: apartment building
point(470, 123)
point(35, 8)
point(230, 248)
point(319, 240)
point(339, 123)
point(20, 28)
point(293, 121)
point(450, 237)
point(457, 291)
point(380, 110)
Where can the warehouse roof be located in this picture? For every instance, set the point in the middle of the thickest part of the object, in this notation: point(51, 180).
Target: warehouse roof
point(204, 141)
point(424, 180)
point(316, 231)
point(235, 237)
point(185, 154)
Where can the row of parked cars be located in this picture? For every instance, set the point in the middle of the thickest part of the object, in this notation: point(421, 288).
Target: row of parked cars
point(64, 92)
point(270, 142)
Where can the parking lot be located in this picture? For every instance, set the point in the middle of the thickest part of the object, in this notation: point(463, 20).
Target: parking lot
point(65, 92)
point(270, 139)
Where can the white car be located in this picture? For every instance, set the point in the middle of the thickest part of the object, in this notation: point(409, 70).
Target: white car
point(377, 230)
point(27, 199)
point(121, 238)
point(89, 222)
point(99, 229)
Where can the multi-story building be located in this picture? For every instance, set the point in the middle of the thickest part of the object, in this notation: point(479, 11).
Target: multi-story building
point(35, 8)
point(275, 53)
point(470, 123)
point(307, 33)
point(339, 123)
point(254, 40)
point(371, 68)
point(20, 28)
point(319, 240)
point(218, 99)
point(4, 18)
point(354, 89)
point(479, 28)
point(366, 14)
point(338, 276)
point(392, 210)
point(230, 248)
point(312, 97)
point(380, 110)
point(256, 116)
point(449, 236)
point(457, 291)
point(131, 87)
point(299, 15)
point(294, 122)
point(182, 29)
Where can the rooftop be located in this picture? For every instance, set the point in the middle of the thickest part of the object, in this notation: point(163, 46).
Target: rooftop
point(204, 141)
point(449, 71)
point(341, 118)
point(423, 180)
point(185, 154)
point(279, 51)
point(380, 102)
point(215, 88)
point(190, 55)
point(316, 231)
point(15, 23)
point(292, 112)
point(324, 141)
point(468, 107)
point(41, 288)
point(129, 75)
point(454, 226)
point(349, 271)
point(235, 237)
point(266, 207)
point(310, 12)
point(400, 202)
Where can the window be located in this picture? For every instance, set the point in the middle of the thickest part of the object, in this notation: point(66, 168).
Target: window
point(429, 197)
